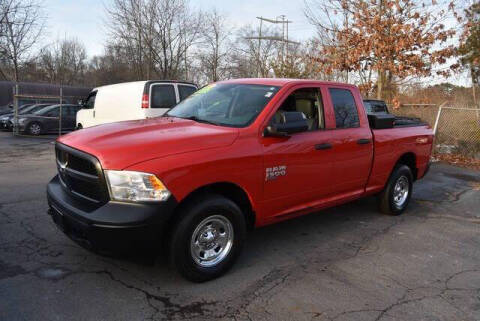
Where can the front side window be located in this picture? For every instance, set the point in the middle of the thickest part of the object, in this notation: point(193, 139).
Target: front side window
point(185, 91)
point(308, 101)
point(163, 96)
point(90, 102)
point(346, 114)
point(233, 105)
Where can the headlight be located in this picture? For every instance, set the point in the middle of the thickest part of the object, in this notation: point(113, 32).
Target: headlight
point(135, 186)
point(21, 120)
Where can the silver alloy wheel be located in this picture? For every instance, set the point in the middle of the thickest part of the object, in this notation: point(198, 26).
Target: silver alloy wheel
point(35, 129)
point(400, 191)
point(211, 241)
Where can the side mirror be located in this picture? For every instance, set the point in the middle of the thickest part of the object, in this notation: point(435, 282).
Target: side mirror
point(10, 106)
point(290, 123)
point(81, 102)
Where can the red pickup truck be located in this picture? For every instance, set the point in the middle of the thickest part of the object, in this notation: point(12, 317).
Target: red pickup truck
point(235, 155)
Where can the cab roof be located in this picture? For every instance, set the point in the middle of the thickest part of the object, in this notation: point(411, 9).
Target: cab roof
point(280, 81)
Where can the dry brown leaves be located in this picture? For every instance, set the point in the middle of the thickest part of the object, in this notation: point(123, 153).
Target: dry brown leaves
point(459, 160)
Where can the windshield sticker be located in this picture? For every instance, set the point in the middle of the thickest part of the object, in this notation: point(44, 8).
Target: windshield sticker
point(269, 94)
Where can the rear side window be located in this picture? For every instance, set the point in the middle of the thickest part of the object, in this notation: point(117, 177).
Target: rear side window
point(163, 96)
point(346, 114)
point(185, 91)
point(54, 112)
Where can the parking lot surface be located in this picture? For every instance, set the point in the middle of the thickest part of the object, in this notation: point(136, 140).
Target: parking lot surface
point(346, 263)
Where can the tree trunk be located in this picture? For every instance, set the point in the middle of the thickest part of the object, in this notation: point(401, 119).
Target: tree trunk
point(380, 83)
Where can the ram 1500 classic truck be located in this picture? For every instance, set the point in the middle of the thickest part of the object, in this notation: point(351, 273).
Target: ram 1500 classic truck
point(234, 155)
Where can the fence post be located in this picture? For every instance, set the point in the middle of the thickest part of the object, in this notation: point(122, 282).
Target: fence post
point(60, 114)
point(438, 118)
point(15, 110)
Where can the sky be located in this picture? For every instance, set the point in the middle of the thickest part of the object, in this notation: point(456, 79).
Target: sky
point(85, 20)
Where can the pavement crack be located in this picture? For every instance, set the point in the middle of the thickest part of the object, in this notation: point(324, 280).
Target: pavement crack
point(171, 310)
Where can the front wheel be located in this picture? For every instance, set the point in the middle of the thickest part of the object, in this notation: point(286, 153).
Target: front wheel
point(395, 197)
point(34, 129)
point(208, 238)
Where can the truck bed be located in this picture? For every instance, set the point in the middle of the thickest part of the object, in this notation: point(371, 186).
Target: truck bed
point(401, 121)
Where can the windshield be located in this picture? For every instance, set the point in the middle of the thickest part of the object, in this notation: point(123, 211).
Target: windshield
point(235, 105)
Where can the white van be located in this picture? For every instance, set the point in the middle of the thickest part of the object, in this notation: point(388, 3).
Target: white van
point(132, 100)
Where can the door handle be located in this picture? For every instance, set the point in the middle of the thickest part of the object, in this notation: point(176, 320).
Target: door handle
point(323, 146)
point(363, 141)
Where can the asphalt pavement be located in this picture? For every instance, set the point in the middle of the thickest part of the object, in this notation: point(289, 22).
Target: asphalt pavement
point(345, 263)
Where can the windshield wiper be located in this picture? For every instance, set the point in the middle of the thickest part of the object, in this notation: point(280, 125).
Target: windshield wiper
point(200, 120)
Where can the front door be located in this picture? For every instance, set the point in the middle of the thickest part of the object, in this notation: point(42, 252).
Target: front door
point(298, 168)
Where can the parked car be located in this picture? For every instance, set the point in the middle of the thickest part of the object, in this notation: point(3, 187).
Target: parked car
point(47, 120)
point(6, 121)
point(38, 93)
point(234, 155)
point(132, 100)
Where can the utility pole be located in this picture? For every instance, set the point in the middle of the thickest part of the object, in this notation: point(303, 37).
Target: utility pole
point(284, 38)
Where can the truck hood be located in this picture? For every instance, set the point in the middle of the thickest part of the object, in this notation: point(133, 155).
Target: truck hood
point(122, 144)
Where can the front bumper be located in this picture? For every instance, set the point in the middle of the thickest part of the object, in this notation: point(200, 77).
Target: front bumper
point(111, 228)
point(6, 125)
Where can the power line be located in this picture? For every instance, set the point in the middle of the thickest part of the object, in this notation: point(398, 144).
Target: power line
point(284, 38)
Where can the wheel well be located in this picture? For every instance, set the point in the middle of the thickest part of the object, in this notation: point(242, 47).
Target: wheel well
point(409, 159)
point(228, 190)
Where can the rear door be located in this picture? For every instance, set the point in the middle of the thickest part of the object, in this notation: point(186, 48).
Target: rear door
point(50, 120)
point(69, 114)
point(163, 96)
point(66, 120)
point(352, 142)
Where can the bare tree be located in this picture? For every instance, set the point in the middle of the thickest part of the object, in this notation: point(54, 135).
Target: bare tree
point(214, 51)
point(22, 23)
point(64, 62)
point(156, 34)
point(247, 58)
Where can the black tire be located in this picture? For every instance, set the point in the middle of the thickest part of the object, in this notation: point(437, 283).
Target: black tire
point(387, 202)
point(79, 126)
point(197, 211)
point(33, 130)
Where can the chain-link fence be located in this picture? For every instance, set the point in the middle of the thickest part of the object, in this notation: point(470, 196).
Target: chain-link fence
point(34, 114)
point(457, 129)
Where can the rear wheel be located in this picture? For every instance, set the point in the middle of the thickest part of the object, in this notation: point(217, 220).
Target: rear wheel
point(208, 238)
point(395, 197)
point(34, 129)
